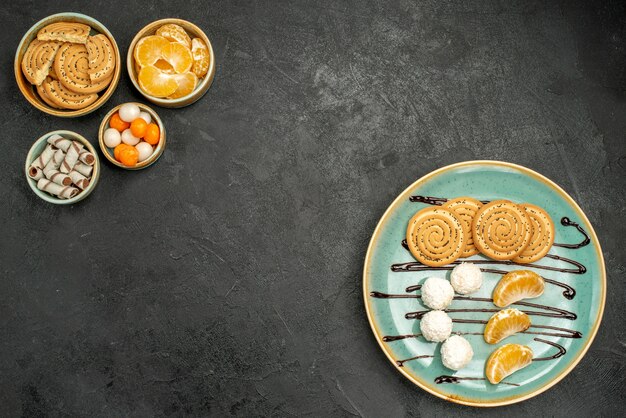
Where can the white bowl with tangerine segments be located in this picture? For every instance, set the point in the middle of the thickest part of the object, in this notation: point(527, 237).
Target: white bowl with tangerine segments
point(161, 72)
point(112, 121)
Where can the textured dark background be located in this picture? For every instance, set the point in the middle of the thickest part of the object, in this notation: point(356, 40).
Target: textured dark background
point(226, 279)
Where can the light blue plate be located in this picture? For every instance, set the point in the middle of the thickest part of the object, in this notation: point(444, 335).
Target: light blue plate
point(485, 180)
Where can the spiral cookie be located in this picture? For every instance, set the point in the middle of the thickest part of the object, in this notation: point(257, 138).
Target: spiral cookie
point(58, 94)
point(501, 230)
point(52, 74)
point(101, 58)
point(38, 59)
point(542, 235)
point(435, 236)
point(44, 96)
point(465, 209)
point(72, 67)
point(65, 32)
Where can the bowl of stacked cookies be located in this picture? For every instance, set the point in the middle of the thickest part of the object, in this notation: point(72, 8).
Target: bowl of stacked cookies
point(67, 65)
point(171, 62)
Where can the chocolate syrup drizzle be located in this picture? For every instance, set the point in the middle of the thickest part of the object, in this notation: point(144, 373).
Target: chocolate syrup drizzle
point(553, 312)
point(400, 363)
point(565, 221)
point(456, 379)
point(415, 266)
point(559, 347)
point(548, 311)
point(568, 293)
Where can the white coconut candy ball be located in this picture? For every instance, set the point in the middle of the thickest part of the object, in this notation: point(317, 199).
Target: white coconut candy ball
point(129, 112)
point(145, 151)
point(128, 138)
point(466, 278)
point(456, 352)
point(145, 116)
point(437, 293)
point(436, 326)
point(112, 138)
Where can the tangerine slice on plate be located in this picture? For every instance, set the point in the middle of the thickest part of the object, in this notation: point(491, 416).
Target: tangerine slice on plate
point(187, 83)
point(506, 360)
point(174, 33)
point(201, 58)
point(504, 324)
point(517, 285)
point(150, 49)
point(178, 56)
point(155, 82)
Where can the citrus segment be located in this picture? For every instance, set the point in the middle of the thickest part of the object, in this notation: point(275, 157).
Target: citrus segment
point(150, 49)
point(201, 58)
point(517, 285)
point(164, 66)
point(178, 56)
point(506, 360)
point(174, 33)
point(156, 83)
point(186, 84)
point(504, 324)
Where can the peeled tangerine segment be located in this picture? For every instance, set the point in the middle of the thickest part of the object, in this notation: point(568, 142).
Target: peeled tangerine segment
point(517, 285)
point(178, 56)
point(150, 49)
point(156, 83)
point(174, 33)
point(506, 360)
point(186, 84)
point(201, 58)
point(504, 324)
point(164, 66)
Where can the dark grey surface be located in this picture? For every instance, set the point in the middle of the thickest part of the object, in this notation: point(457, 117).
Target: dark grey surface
point(226, 279)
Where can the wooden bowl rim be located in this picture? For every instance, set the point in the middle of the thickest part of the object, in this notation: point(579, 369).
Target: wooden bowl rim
point(158, 151)
point(23, 84)
point(200, 90)
point(95, 176)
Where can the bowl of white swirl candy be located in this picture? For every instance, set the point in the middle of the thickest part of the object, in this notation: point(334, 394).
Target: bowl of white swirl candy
point(62, 167)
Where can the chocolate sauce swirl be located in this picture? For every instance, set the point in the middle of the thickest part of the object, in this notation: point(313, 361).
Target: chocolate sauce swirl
point(400, 363)
point(429, 200)
point(391, 338)
point(569, 292)
point(553, 312)
point(559, 347)
point(566, 332)
point(565, 221)
point(457, 379)
point(580, 268)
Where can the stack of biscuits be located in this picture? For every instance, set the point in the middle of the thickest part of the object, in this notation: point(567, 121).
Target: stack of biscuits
point(462, 227)
point(68, 66)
